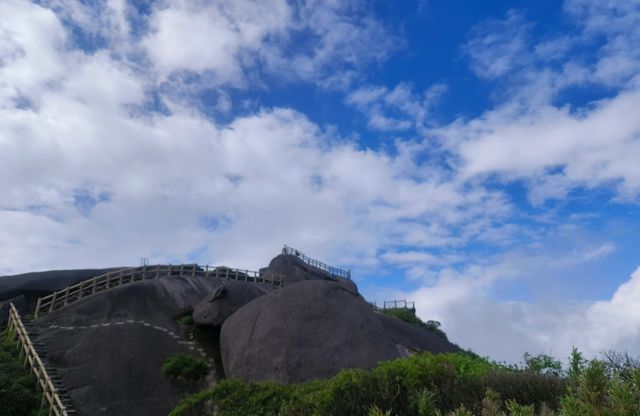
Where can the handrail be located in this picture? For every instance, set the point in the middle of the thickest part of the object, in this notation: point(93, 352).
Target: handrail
point(395, 304)
point(334, 271)
point(49, 391)
point(112, 279)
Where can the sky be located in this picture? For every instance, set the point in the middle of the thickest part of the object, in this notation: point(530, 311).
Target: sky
point(479, 158)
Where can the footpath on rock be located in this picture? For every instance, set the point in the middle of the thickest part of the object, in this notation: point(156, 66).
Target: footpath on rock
point(108, 347)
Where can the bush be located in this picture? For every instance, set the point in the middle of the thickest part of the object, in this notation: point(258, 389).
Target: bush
point(423, 385)
point(434, 385)
point(184, 367)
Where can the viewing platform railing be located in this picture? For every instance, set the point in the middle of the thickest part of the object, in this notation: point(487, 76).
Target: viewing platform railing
point(395, 304)
point(70, 294)
point(334, 271)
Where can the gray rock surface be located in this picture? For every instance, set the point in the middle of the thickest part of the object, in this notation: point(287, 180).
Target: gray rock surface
point(20, 302)
point(227, 298)
point(109, 347)
point(311, 330)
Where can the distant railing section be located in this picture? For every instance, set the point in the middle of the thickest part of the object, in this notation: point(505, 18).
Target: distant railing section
point(50, 393)
point(61, 298)
point(334, 271)
point(394, 304)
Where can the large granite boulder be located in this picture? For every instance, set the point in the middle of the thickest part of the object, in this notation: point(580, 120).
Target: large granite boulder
point(295, 270)
point(311, 330)
point(109, 347)
point(20, 302)
point(225, 299)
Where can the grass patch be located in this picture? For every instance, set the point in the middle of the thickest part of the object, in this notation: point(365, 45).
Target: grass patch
point(184, 367)
point(18, 392)
point(409, 316)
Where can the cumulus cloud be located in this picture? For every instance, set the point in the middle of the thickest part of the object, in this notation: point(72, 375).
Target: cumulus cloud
point(395, 109)
point(88, 163)
point(497, 47)
point(527, 136)
point(212, 37)
point(588, 148)
point(506, 329)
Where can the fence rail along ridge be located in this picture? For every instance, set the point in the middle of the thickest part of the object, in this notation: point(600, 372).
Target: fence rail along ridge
point(334, 271)
point(70, 294)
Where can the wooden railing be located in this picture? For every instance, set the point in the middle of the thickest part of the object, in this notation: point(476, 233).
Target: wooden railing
point(395, 304)
point(334, 271)
point(61, 298)
point(50, 393)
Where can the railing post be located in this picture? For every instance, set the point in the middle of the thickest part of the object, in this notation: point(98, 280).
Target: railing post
point(120, 278)
point(144, 272)
point(53, 300)
point(94, 287)
point(193, 274)
point(158, 271)
point(35, 315)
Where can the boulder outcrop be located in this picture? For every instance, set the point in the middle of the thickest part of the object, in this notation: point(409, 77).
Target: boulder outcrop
point(311, 330)
point(227, 298)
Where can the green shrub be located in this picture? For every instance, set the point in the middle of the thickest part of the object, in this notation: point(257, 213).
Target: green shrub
point(527, 388)
point(18, 392)
point(417, 385)
point(184, 367)
point(186, 320)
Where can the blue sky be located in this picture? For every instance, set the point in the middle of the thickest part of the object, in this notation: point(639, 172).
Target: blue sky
point(480, 158)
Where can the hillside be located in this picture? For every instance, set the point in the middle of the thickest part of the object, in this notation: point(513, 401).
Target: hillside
point(109, 347)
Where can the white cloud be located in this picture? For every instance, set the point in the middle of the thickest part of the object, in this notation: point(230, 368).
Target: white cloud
point(175, 185)
point(472, 318)
point(337, 40)
point(212, 36)
point(562, 149)
point(397, 109)
point(497, 47)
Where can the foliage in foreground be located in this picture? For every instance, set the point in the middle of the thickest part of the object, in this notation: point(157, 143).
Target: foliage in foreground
point(441, 385)
point(416, 385)
point(19, 395)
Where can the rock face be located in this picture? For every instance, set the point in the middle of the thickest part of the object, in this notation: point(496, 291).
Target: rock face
point(311, 330)
point(109, 347)
point(20, 302)
point(227, 298)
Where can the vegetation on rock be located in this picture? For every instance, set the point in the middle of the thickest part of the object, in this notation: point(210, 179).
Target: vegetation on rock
point(409, 316)
point(184, 367)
